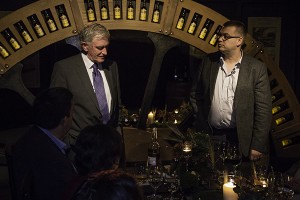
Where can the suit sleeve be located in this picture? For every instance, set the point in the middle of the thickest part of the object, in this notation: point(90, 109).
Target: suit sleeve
point(58, 77)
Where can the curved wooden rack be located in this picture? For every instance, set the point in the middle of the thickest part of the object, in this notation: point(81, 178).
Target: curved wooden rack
point(170, 11)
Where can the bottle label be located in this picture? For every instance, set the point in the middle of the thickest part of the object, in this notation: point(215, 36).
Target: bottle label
point(104, 14)
point(276, 109)
point(192, 28)
point(51, 25)
point(64, 20)
point(180, 23)
point(143, 16)
point(155, 17)
point(117, 13)
point(213, 39)
point(280, 120)
point(3, 52)
point(152, 161)
point(91, 15)
point(203, 33)
point(26, 36)
point(39, 31)
point(130, 13)
point(15, 44)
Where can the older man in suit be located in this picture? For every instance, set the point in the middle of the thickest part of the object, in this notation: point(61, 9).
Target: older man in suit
point(232, 94)
point(81, 73)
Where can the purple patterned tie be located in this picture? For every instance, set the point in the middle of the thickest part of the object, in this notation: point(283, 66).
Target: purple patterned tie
point(100, 93)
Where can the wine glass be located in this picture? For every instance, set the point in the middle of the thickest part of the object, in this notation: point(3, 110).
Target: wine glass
point(234, 156)
point(155, 180)
point(187, 152)
point(173, 183)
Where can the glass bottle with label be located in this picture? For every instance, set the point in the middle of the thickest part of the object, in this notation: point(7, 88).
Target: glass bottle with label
point(156, 13)
point(11, 39)
point(194, 24)
point(3, 51)
point(35, 23)
point(130, 10)
point(63, 17)
point(153, 150)
point(104, 10)
point(144, 11)
point(49, 20)
point(181, 19)
point(279, 108)
point(117, 10)
point(213, 40)
point(23, 32)
point(90, 11)
point(277, 95)
point(286, 118)
point(205, 30)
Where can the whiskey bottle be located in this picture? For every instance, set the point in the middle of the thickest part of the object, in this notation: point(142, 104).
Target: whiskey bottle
point(104, 11)
point(194, 24)
point(156, 13)
point(117, 10)
point(205, 30)
point(63, 17)
point(279, 108)
point(143, 13)
point(23, 32)
point(181, 19)
point(4, 53)
point(213, 40)
point(153, 150)
point(49, 20)
point(273, 83)
point(90, 11)
point(130, 10)
point(35, 23)
point(11, 39)
point(277, 95)
point(286, 118)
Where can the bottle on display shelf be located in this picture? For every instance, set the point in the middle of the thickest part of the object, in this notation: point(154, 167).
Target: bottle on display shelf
point(213, 40)
point(194, 23)
point(144, 11)
point(3, 51)
point(156, 13)
point(205, 30)
point(290, 141)
point(130, 10)
point(49, 20)
point(35, 23)
point(104, 10)
point(279, 108)
point(273, 83)
point(11, 39)
point(27, 38)
point(181, 20)
point(90, 11)
point(277, 95)
point(63, 17)
point(153, 150)
point(117, 10)
point(286, 118)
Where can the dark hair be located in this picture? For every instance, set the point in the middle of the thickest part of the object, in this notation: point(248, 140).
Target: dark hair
point(97, 148)
point(110, 185)
point(51, 106)
point(240, 26)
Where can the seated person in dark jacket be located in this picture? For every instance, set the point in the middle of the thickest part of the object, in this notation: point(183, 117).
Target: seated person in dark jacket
point(110, 185)
point(40, 164)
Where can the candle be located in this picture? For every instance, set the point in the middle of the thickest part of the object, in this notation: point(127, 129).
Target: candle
point(228, 193)
point(150, 118)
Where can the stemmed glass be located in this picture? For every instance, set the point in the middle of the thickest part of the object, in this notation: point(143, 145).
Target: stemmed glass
point(187, 152)
point(234, 156)
point(155, 179)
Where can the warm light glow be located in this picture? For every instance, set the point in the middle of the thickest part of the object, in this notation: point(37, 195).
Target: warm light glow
point(228, 193)
point(150, 118)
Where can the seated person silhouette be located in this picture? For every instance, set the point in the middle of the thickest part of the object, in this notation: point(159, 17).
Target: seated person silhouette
point(110, 185)
point(41, 167)
point(97, 148)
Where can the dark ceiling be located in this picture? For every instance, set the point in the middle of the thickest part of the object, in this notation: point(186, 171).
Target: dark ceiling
point(12, 5)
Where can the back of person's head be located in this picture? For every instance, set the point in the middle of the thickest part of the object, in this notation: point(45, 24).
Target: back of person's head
point(110, 185)
point(97, 147)
point(92, 31)
point(51, 106)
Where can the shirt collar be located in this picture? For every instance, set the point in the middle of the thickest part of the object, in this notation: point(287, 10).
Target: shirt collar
point(238, 64)
point(88, 63)
point(60, 144)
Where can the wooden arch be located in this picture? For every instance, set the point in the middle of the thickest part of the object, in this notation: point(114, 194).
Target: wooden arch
point(285, 136)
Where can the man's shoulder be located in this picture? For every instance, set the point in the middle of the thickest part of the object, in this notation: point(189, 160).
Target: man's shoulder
point(74, 58)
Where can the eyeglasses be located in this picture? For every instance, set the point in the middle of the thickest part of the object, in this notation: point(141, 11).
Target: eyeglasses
point(226, 36)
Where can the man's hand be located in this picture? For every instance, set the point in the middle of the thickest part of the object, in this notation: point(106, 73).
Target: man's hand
point(255, 155)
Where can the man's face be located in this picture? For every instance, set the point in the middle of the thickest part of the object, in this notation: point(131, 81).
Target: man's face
point(229, 39)
point(96, 50)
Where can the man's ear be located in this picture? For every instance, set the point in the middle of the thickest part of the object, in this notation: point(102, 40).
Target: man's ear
point(84, 46)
